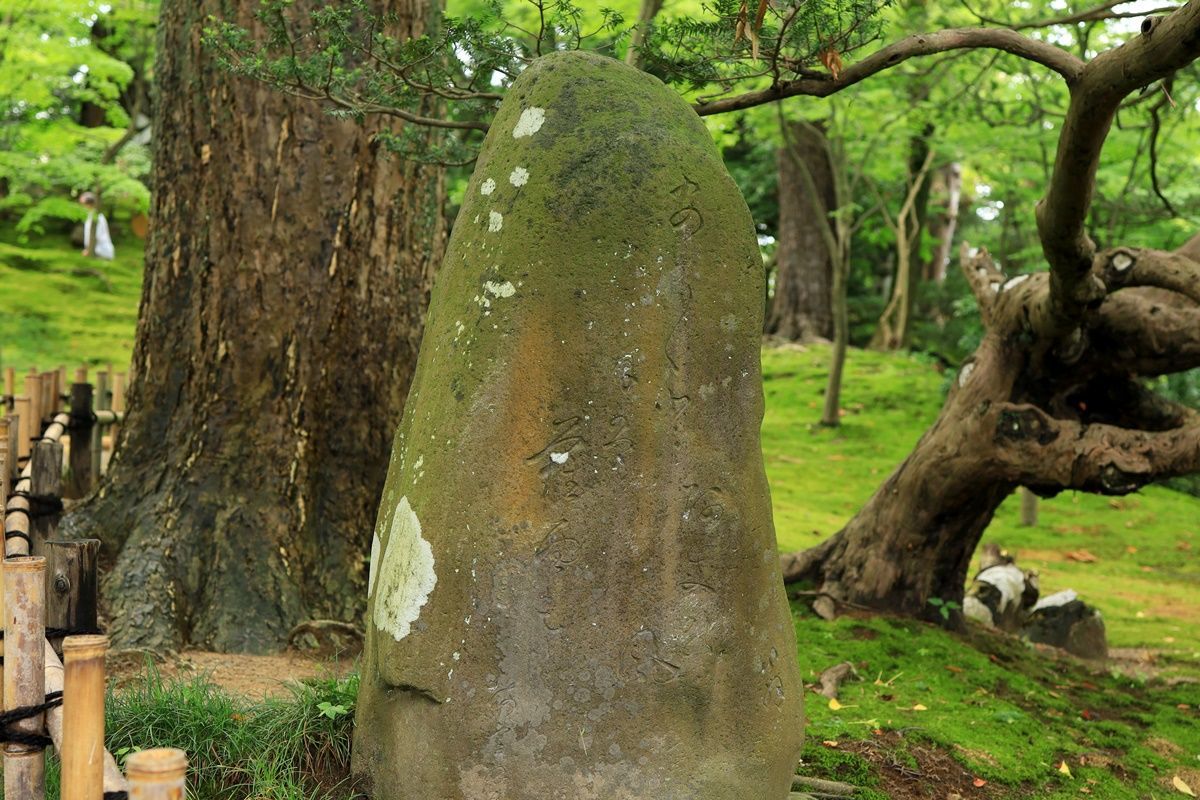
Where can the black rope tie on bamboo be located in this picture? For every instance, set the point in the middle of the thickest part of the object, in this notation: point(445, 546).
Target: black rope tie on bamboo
point(116, 796)
point(85, 419)
point(34, 741)
point(40, 505)
point(18, 535)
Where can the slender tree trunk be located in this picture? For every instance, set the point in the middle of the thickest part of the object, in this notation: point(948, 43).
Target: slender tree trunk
point(284, 298)
point(831, 416)
point(647, 11)
point(801, 307)
point(947, 222)
point(895, 324)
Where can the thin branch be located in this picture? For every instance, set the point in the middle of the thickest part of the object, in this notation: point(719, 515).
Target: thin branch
point(921, 44)
point(984, 278)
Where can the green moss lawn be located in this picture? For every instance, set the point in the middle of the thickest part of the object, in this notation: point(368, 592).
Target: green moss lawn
point(57, 307)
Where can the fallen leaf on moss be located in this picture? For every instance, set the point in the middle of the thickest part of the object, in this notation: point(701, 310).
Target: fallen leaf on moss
point(1182, 787)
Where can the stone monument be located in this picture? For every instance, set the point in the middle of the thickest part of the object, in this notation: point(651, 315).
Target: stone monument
point(574, 586)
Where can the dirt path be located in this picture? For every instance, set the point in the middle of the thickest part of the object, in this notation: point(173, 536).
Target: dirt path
point(252, 677)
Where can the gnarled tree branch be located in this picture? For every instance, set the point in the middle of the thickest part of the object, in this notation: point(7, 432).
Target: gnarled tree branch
point(1037, 450)
point(1145, 336)
point(1126, 266)
point(1165, 45)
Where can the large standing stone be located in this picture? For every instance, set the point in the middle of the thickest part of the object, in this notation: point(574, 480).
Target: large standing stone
point(574, 586)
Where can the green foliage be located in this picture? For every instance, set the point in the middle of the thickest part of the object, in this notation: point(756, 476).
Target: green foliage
point(705, 53)
point(944, 607)
point(453, 77)
point(58, 59)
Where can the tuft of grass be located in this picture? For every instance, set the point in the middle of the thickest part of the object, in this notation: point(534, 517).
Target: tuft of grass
point(295, 748)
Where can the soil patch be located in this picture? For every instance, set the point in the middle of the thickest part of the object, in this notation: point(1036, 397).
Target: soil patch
point(251, 677)
point(914, 770)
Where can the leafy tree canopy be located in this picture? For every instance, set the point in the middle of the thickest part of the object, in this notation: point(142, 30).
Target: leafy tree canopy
point(62, 60)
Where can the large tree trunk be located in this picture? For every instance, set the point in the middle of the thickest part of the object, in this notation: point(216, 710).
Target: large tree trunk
point(914, 538)
point(286, 282)
point(802, 308)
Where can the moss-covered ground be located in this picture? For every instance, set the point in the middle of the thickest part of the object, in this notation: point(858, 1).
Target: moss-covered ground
point(934, 713)
point(58, 307)
point(986, 715)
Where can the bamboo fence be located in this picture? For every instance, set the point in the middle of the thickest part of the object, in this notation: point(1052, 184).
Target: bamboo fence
point(49, 595)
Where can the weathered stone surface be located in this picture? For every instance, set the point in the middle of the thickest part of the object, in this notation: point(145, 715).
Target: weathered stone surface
point(575, 591)
point(1063, 621)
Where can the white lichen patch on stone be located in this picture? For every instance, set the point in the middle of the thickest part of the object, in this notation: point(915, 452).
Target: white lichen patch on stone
point(559, 458)
point(530, 122)
point(495, 221)
point(519, 176)
point(505, 289)
point(374, 566)
point(406, 574)
point(488, 186)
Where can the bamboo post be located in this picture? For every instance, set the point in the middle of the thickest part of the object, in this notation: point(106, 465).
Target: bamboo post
point(10, 386)
point(24, 426)
point(45, 479)
point(159, 774)
point(14, 448)
point(1029, 508)
point(14, 431)
point(5, 463)
point(62, 384)
point(24, 672)
point(50, 397)
point(83, 718)
point(81, 373)
point(81, 437)
point(118, 404)
point(102, 403)
point(33, 390)
point(72, 595)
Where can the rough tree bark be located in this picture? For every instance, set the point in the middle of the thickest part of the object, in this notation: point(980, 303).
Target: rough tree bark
point(802, 307)
point(286, 282)
point(1052, 399)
